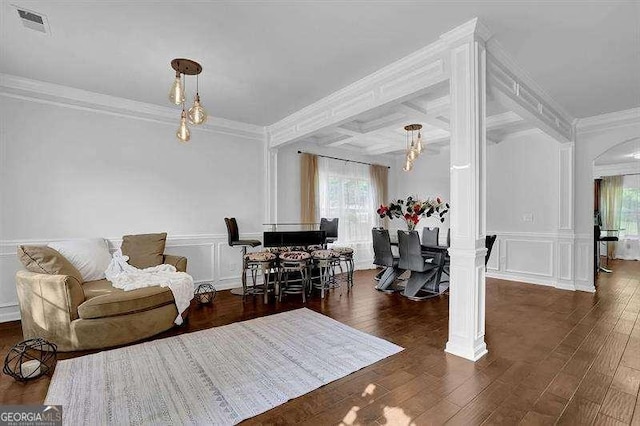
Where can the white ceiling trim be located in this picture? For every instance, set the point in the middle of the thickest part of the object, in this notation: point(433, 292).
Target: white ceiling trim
point(421, 69)
point(40, 91)
point(512, 87)
point(417, 72)
point(608, 121)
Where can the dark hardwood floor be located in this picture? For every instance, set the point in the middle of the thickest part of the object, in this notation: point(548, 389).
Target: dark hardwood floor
point(554, 357)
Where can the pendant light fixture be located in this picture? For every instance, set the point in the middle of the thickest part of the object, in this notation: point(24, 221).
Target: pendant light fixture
point(414, 145)
point(196, 114)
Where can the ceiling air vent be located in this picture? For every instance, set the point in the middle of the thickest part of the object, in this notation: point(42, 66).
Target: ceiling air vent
point(33, 20)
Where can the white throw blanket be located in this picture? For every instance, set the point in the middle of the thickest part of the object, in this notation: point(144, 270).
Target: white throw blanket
point(127, 277)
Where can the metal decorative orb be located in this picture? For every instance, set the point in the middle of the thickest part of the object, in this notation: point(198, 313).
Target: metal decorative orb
point(30, 359)
point(205, 293)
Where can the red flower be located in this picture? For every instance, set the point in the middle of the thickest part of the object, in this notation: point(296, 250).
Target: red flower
point(438, 200)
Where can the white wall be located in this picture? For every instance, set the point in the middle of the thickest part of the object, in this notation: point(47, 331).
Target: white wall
point(523, 192)
point(522, 184)
point(70, 173)
point(428, 179)
point(590, 145)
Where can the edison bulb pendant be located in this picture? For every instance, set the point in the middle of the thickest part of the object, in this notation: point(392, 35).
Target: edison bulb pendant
point(408, 165)
point(183, 132)
point(197, 114)
point(176, 94)
point(419, 146)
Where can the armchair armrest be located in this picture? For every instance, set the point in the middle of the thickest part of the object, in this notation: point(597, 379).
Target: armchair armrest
point(179, 262)
point(48, 304)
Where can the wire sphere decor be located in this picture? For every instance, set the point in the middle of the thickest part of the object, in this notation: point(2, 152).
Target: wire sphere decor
point(30, 359)
point(205, 293)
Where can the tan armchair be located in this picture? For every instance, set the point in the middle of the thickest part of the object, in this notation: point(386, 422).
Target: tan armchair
point(94, 314)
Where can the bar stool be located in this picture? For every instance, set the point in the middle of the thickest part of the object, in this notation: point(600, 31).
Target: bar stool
point(345, 254)
point(326, 261)
point(256, 263)
point(314, 247)
point(233, 235)
point(296, 264)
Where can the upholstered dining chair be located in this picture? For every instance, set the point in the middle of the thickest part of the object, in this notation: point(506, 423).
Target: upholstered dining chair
point(383, 257)
point(430, 236)
point(426, 267)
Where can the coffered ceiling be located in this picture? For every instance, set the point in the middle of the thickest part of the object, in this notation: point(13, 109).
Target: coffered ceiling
point(264, 60)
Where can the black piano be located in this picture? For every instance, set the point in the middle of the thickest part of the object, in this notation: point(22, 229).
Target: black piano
point(293, 238)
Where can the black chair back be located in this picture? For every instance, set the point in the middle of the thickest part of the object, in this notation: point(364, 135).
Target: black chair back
point(232, 229)
point(430, 236)
point(489, 240)
point(382, 255)
point(330, 227)
point(411, 252)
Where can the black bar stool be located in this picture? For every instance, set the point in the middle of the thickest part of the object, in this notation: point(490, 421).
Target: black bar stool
point(233, 235)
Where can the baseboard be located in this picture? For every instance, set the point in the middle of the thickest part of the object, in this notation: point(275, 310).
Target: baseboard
point(9, 313)
point(549, 282)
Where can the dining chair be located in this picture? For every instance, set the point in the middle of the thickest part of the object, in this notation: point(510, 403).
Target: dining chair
point(383, 257)
point(425, 266)
point(430, 236)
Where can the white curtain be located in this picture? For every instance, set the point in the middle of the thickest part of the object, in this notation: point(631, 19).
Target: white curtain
point(611, 207)
point(629, 245)
point(346, 191)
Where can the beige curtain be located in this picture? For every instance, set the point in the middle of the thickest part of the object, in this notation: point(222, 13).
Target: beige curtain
point(308, 188)
point(611, 206)
point(380, 179)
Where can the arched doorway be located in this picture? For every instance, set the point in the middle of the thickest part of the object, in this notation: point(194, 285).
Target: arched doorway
point(616, 174)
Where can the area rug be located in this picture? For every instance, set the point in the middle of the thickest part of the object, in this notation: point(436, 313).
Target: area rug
point(218, 376)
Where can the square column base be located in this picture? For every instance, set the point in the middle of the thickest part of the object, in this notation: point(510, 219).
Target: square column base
point(467, 352)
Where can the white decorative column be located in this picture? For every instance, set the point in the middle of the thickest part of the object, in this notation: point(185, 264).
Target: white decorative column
point(468, 194)
point(270, 183)
point(565, 250)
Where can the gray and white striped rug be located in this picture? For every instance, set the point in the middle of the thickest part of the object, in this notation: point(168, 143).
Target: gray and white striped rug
point(218, 376)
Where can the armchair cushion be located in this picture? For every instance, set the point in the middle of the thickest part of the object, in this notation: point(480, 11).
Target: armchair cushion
point(144, 250)
point(103, 300)
point(45, 260)
point(179, 262)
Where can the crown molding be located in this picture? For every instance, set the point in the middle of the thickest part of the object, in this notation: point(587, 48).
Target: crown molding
point(472, 27)
point(70, 97)
point(506, 59)
point(596, 123)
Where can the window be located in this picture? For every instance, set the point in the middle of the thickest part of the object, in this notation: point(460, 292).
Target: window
point(630, 212)
point(346, 191)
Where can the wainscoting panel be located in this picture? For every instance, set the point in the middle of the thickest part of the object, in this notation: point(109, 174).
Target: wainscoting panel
point(528, 257)
point(538, 258)
point(210, 259)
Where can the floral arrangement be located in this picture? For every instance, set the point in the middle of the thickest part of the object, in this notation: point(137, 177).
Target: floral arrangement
point(412, 210)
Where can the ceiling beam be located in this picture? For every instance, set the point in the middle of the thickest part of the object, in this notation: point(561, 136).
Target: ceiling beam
point(418, 113)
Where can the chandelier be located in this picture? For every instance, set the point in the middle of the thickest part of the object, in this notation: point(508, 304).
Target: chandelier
point(414, 145)
point(196, 114)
